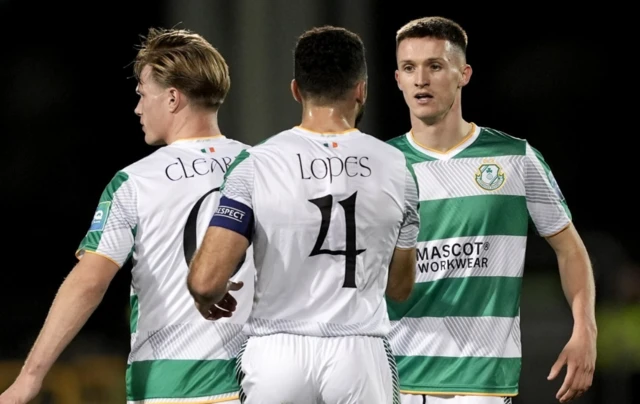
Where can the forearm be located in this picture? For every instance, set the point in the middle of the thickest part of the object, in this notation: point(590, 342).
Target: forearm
point(213, 265)
point(402, 274)
point(76, 300)
point(206, 291)
point(579, 288)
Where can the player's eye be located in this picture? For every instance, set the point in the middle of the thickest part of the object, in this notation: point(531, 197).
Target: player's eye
point(408, 68)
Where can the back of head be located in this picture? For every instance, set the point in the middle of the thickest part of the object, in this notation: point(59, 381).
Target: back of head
point(328, 62)
point(434, 27)
point(186, 61)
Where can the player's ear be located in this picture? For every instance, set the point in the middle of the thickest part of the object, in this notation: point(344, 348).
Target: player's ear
point(397, 75)
point(295, 91)
point(466, 76)
point(174, 99)
point(361, 92)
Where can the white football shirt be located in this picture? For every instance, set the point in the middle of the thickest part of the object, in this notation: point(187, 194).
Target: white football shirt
point(156, 211)
point(328, 212)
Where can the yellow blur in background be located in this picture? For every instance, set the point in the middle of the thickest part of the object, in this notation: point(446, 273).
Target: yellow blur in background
point(86, 380)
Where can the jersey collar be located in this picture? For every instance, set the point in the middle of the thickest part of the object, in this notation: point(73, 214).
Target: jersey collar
point(198, 139)
point(451, 153)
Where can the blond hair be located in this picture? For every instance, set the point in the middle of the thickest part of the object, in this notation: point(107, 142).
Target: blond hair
point(186, 61)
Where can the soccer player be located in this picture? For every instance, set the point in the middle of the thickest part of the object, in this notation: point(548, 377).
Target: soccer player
point(459, 332)
point(155, 212)
point(331, 213)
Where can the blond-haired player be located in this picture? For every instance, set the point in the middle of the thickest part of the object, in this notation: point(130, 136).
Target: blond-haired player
point(155, 211)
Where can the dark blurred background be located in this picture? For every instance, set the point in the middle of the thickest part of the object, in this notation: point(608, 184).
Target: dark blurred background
point(561, 79)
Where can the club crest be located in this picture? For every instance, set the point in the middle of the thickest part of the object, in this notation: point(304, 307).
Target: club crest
point(490, 176)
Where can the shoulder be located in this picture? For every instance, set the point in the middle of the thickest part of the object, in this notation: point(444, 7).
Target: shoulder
point(118, 180)
point(401, 143)
point(279, 138)
point(389, 149)
point(140, 167)
point(273, 144)
point(237, 144)
point(507, 139)
point(128, 174)
point(501, 135)
point(398, 142)
point(497, 142)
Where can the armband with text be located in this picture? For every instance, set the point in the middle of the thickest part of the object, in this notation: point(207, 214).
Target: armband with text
point(235, 216)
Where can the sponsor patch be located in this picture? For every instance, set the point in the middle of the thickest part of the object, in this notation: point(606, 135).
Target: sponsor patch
point(555, 186)
point(100, 217)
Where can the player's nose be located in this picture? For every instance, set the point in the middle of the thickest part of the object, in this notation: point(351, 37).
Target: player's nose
point(421, 78)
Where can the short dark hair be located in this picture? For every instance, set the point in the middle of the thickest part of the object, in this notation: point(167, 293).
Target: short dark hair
point(328, 62)
point(435, 27)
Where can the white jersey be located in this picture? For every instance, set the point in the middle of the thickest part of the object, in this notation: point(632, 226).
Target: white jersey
point(328, 212)
point(157, 211)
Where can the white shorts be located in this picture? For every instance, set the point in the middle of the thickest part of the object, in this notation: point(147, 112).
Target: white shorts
point(296, 369)
point(427, 399)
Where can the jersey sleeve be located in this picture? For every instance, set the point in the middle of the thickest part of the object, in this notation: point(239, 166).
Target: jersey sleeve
point(547, 206)
point(235, 210)
point(113, 227)
point(411, 220)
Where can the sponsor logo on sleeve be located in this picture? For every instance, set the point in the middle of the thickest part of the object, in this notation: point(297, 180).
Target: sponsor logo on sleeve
point(555, 186)
point(100, 217)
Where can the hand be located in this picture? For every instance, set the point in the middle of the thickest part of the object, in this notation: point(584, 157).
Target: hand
point(580, 357)
point(22, 391)
point(224, 308)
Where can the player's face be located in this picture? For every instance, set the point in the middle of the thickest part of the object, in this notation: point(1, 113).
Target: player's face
point(430, 74)
point(152, 108)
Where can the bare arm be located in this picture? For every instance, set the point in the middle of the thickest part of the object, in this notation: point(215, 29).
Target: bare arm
point(549, 210)
point(579, 354)
point(112, 234)
point(402, 274)
point(225, 243)
point(402, 270)
point(214, 263)
point(576, 277)
point(76, 300)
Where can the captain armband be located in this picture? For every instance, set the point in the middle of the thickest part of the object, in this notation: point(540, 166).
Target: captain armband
point(235, 216)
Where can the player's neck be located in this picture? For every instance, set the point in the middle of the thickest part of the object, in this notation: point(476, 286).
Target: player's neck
point(441, 135)
point(328, 119)
point(191, 126)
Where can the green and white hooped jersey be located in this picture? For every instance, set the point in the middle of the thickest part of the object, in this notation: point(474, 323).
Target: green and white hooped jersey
point(156, 211)
point(459, 331)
